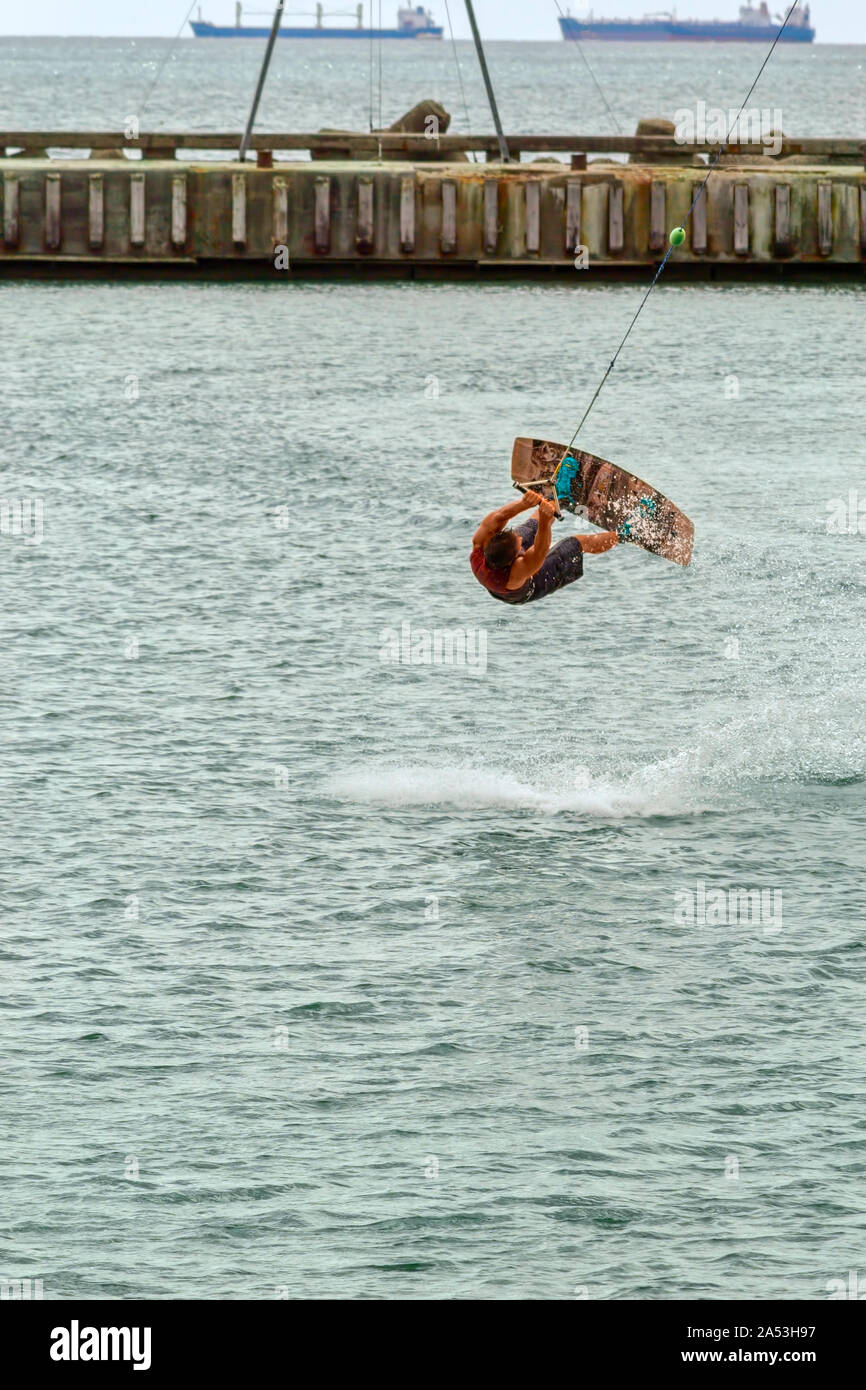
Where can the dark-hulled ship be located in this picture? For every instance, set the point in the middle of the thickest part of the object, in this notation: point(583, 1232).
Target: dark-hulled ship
point(754, 24)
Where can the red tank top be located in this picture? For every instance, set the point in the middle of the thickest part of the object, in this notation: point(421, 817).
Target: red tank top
point(494, 580)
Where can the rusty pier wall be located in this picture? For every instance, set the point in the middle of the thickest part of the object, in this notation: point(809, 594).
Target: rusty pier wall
point(404, 218)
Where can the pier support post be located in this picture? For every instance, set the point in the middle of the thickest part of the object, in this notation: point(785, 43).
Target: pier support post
point(825, 219)
point(365, 235)
point(136, 210)
point(178, 211)
point(699, 224)
point(281, 213)
point(52, 212)
point(448, 240)
point(783, 220)
point(573, 196)
point(322, 216)
point(533, 216)
point(10, 210)
point(741, 219)
point(658, 215)
point(239, 209)
point(615, 228)
point(407, 215)
point(95, 212)
point(491, 216)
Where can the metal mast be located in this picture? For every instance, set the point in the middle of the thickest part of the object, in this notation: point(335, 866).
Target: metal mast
point(503, 143)
point(278, 15)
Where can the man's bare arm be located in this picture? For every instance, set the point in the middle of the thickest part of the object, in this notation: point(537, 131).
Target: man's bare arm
point(495, 521)
point(530, 562)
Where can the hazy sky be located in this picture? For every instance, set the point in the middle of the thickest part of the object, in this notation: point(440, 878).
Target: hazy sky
point(837, 21)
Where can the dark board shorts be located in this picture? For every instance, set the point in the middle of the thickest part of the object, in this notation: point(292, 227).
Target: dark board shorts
point(563, 564)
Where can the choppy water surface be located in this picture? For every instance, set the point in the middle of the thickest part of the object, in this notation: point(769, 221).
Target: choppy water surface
point(306, 939)
point(207, 84)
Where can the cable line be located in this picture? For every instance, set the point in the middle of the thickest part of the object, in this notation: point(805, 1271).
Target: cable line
point(677, 236)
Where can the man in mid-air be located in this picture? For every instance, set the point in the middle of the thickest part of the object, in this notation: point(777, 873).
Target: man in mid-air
point(519, 566)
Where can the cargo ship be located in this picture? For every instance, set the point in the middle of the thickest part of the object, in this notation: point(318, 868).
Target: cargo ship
point(414, 23)
point(755, 23)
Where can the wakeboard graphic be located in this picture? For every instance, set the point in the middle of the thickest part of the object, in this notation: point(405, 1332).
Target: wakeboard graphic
point(604, 494)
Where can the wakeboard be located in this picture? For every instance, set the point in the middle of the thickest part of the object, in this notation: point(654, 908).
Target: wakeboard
point(604, 494)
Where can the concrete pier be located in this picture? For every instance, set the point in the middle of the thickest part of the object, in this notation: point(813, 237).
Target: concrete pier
point(404, 215)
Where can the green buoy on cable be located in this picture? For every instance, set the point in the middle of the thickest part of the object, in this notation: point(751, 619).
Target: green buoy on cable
point(678, 236)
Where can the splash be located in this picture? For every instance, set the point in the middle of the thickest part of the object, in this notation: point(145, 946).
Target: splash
point(803, 742)
point(558, 789)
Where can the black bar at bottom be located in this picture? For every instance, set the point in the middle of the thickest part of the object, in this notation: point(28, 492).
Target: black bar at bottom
point(166, 1339)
